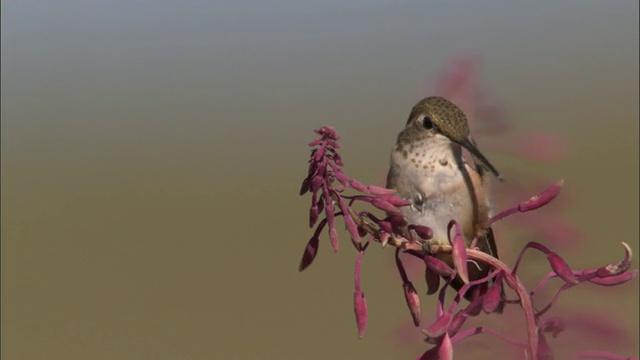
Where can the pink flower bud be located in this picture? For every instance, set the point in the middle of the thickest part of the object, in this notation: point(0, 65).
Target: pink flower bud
point(459, 251)
point(394, 200)
point(424, 232)
point(316, 182)
point(352, 228)
point(313, 215)
point(543, 198)
point(359, 302)
point(336, 158)
point(333, 144)
point(561, 268)
point(396, 220)
point(493, 297)
point(327, 132)
point(358, 185)
point(446, 348)
point(438, 266)
point(383, 205)
point(377, 190)
point(413, 302)
point(362, 231)
point(333, 239)
point(432, 279)
point(313, 212)
point(318, 153)
point(305, 186)
point(344, 180)
point(311, 250)
point(385, 226)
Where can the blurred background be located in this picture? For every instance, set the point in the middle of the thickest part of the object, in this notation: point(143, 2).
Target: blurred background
point(152, 153)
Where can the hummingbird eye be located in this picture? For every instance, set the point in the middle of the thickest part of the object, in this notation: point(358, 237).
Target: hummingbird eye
point(427, 123)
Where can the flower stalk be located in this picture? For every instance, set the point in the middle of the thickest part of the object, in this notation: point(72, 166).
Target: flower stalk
point(330, 187)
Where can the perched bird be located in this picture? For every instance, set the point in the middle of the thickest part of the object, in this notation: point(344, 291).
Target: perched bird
point(430, 169)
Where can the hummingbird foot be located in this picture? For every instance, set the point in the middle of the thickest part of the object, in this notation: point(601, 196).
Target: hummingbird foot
point(430, 247)
point(418, 202)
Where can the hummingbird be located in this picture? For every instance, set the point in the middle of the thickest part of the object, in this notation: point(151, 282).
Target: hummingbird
point(429, 168)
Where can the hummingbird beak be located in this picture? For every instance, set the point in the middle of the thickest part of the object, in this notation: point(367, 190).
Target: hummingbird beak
point(484, 162)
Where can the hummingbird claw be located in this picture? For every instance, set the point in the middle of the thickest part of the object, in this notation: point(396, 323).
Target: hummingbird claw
point(417, 203)
point(425, 245)
point(429, 246)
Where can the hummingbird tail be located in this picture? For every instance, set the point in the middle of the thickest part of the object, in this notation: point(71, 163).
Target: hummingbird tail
point(486, 243)
point(477, 291)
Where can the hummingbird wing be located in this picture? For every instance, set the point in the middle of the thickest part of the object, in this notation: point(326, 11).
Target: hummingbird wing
point(487, 243)
point(400, 183)
point(392, 176)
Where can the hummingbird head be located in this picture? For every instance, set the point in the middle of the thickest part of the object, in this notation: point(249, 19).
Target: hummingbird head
point(436, 115)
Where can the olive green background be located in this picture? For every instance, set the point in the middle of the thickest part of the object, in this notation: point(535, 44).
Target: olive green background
point(152, 154)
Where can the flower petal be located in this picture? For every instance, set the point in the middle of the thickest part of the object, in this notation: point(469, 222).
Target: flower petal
point(439, 327)
point(619, 267)
point(615, 279)
point(360, 309)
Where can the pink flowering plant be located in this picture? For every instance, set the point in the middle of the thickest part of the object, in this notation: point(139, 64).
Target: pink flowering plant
point(333, 197)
